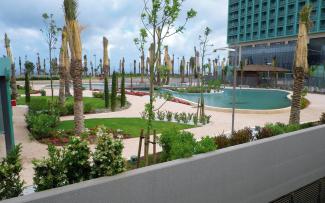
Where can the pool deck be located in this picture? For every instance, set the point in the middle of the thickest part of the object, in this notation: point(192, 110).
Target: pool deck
point(220, 122)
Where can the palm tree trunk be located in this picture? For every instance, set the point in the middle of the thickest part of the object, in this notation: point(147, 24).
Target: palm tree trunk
point(76, 73)
point(142, 66)
point(296, 98)
point(62, 86)
point(301, 64)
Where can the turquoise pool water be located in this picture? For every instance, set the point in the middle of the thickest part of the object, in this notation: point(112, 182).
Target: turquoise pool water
point(254, 99)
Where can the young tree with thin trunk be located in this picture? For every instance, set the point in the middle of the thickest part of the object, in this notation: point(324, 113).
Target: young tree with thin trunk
point(159, 20)
point(301, 63)
point(204, 49)
point(76, 70)
point(140, 44)
point(13, 84)
point(62, 66)
point(50, 32)
point(105, 69)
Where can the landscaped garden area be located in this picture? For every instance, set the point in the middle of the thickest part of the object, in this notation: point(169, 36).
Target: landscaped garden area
point(91, 133)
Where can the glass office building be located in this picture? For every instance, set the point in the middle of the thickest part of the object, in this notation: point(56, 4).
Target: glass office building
point(267, 29)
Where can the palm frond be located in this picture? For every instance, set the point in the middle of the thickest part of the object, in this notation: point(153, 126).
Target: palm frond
point(70, 9)
point(305, 16)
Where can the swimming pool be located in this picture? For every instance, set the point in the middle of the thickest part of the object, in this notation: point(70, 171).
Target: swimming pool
point(252, 99)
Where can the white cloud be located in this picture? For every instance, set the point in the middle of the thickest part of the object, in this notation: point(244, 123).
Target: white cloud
point(118, 20)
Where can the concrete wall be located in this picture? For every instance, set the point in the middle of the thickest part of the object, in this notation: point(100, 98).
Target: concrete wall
point(258, 172)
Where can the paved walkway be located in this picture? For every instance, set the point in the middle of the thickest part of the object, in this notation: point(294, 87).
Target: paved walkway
point(220, 122)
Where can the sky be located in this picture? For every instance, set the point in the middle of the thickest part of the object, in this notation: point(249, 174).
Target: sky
point(118, 20)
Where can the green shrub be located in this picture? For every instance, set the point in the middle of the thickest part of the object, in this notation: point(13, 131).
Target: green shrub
point(69, 108)
point(195, 120)
point(27, 88)
point(114, 92)
point(222, 141)
point(264, 133)
point(39, 105)
point(107, 158)
point(190, 116)
point(206, 144)
point(277, 129)
point(76, 160)
point(292, 128)
point(123, 96)
point(304, 103)
point(50, 172)
point(161, 115)
point(98, 95)
point(241, 136)
point(41, 125)
point(177, 144)
point(203, 120)
point(322, 118)
point(63, 110)
point(169, 116)
point(280, 128)
point(183, 118)
point(11, 184)
point(207, 118)
point(43, 93)
point(88, 108)
point(106, 92)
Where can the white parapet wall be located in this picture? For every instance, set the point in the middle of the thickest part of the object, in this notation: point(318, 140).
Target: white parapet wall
point(259, 172)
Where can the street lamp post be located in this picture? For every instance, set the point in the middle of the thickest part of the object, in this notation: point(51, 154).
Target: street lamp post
point(95, 62)
point(234, 85)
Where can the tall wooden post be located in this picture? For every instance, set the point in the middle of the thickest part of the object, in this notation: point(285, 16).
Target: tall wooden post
point(154, 147)
point(140, 147)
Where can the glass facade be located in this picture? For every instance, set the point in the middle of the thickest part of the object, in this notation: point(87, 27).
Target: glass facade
point(283, 53)
point(253, 20)
point(260, 22)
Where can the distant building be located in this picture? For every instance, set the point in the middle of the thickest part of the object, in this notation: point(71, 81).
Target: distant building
point(266, 30)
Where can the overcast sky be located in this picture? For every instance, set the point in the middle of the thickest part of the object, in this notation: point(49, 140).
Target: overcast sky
point(118, 20)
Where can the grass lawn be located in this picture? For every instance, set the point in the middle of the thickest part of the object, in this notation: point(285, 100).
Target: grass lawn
point(131, 126)
point(96, 103)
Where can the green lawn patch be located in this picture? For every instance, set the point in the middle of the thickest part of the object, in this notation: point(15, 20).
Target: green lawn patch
point(131, 126)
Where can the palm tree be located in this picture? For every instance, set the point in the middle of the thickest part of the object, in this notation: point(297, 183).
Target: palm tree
point(62, 66)
point(105, 69)
point(182, 69)
point(13, 84)
point(301, 63)
point(67, 76)
point(76, 70)
point(168, 64)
